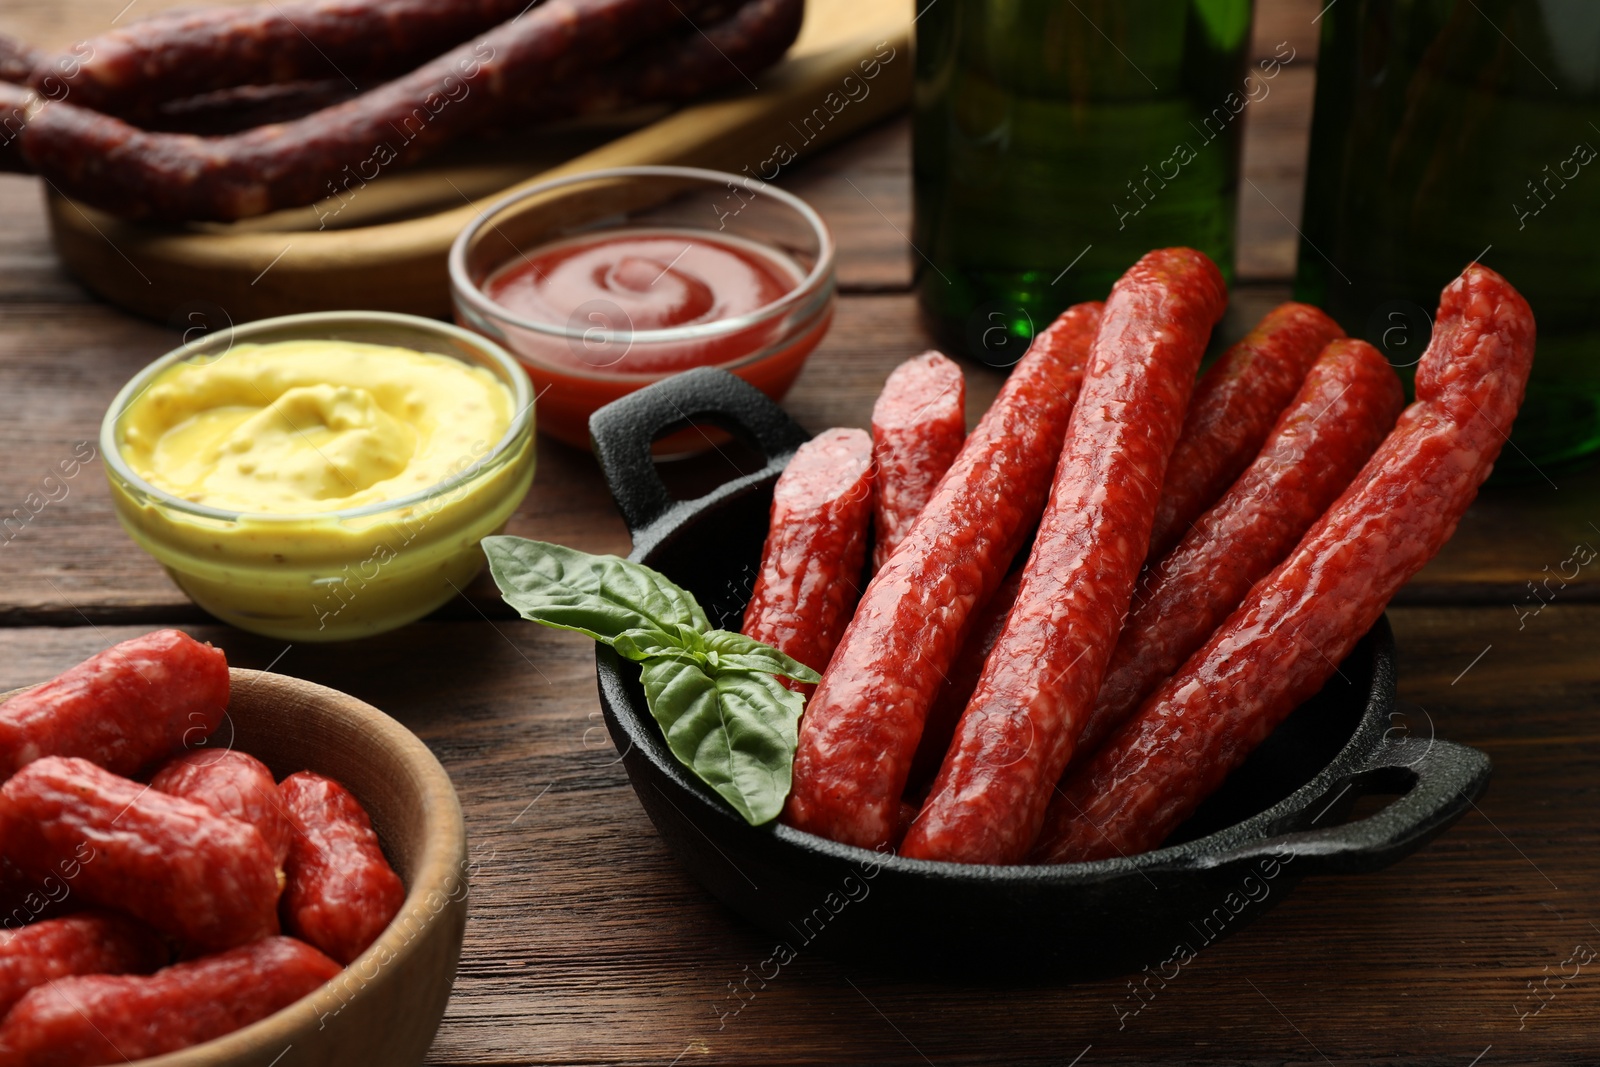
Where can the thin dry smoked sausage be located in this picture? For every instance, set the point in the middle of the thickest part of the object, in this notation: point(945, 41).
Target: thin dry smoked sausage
point(16, 103)
point(918, 424)
point(1018, 731)
point(956, 688)
point(736, 43)
point(861, 728)
point(96, 1019)
point(90, 942)
point(1234, 407)
point(207, 880)
point(1346, 405)
point(341, 891)
point(178, 177)
point(246, 106)
point(811, 564)
point(122, 708)
point(234, 784)
point(131, 70)
point(1283, 642)
point(17, 60)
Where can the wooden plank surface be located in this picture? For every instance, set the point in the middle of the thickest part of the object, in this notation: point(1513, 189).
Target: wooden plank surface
point(68, 556)
point(65, 357)
point(587, 944)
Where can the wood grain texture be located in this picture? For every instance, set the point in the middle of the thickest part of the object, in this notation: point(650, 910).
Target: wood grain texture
point(1294, 22)
point(1277, 134)
point(587, 944)
point(66, 560)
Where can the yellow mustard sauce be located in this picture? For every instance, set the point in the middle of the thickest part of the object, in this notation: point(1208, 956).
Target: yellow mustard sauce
point(300, 427)
point(287, 439)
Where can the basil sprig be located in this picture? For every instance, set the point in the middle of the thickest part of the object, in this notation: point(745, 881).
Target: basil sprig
point(714, 692)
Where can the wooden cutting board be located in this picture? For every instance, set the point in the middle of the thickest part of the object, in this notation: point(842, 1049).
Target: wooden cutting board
point(385, 248)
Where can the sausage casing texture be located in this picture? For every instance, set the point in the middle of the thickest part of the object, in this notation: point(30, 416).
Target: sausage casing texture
point(16, 104)
point(1018, 731)
point(17, 60)
point(26, 898)
point(122, 708)
point(245, 107)
point(816, 547)
point(336, 151)
point(861, 727)
point(341, 891)
point(90, 942)
point(745, 39)
point(101, 1019)
point(1281, 645)
point(1348, 402)
point(206, 880)
point(1234, 407)
point(956, 688)
point(131, 70)
point(234, 784)
point(726, 48)
point(918, 424)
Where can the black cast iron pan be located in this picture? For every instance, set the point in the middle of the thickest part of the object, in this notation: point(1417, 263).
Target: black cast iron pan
point(1276, 820)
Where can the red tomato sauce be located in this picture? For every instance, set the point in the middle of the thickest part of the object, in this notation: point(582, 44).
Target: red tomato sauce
point(656, 281)
point(606, 289)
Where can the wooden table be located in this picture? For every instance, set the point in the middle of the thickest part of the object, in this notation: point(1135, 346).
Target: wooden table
point(588, 944)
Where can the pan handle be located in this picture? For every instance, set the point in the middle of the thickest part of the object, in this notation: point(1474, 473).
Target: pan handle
point(622, 432)
point(1438, 781)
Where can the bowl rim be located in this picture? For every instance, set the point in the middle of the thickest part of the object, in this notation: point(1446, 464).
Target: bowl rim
point(440, 865)
point(817, 280)
point(512, 375)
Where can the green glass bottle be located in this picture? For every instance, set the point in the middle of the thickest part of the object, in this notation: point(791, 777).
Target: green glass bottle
point(1451, 130)
point(1056, 141)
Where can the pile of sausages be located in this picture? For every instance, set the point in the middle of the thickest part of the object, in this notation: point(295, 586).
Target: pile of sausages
point(1202, 557)
point(221, 114)
point(142, 915)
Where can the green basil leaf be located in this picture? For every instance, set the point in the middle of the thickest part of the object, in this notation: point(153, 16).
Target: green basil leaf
point(648, 644)
point(735, 651)
point(601, 596)
point(724, 714)
point(736, 730)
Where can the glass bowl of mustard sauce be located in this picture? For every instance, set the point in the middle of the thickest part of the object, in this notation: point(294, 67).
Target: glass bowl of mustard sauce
point(326, 476)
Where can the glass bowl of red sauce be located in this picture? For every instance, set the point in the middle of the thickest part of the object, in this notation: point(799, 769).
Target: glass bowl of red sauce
point(601, 283)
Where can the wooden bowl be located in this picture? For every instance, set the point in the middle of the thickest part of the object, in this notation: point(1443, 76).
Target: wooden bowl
point(385, 1007)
